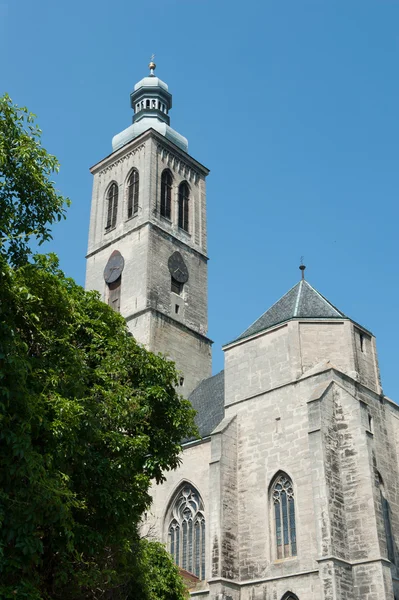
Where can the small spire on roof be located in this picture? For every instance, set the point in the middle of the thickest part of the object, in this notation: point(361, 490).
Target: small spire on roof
point(152, 65)
point(302, 268)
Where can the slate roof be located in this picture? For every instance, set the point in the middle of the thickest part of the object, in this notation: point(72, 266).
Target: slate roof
point(208, 400)
point(300, 302)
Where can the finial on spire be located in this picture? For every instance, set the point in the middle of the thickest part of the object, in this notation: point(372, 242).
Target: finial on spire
point(302, 268)
point(152, 65)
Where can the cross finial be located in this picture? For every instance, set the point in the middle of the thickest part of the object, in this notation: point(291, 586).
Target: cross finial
point(152, 65)
point(302, 268)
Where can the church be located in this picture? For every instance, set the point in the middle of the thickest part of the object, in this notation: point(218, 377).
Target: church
point(292, 490)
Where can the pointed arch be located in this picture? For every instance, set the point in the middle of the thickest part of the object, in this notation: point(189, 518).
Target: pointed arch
point(289, 596)
point(112, 205)
point(184, 197)
point(185, 525)
point(282, 502)
point(166, 193)
point(133, 193)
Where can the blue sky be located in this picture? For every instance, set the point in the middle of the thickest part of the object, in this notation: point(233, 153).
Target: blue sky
point(293, 105)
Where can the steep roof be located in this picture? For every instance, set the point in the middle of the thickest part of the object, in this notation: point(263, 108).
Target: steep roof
point(208, 400)
point(300, 302)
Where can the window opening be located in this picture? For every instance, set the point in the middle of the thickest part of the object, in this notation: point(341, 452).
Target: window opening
point(361, 342)
point(133, 194)
point(176, 286)
point(184, 195)
point(181, 381)
point(371, 423)
point(112, 212)
point(114, 294)
point(166, 194)
point(284, 515)
point(177, 309)
point(186, 532)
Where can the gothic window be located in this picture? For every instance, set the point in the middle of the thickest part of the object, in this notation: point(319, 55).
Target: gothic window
point(186, 531)
point(133, 194)
point(184, 195)
point(166, 193)
point(282, 494)
point(112, 211)
point(289, 596)
point(386, 513)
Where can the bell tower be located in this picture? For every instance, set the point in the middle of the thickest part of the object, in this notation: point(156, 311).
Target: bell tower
point(147, 250)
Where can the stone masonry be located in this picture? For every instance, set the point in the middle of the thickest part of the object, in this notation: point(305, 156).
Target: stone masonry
point(292, 490)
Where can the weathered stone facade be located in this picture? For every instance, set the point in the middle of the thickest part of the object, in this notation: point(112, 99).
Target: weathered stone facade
point(302, 403)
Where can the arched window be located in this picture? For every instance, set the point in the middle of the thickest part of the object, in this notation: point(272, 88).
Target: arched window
point(112, 198)
point(282, 495)
point(184, 196)
point(133, 194)
point(289, 596)
point(166, 193)
point(186, 531)
point(386, 513)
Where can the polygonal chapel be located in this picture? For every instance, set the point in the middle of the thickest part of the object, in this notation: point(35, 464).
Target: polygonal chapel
point(292, 491)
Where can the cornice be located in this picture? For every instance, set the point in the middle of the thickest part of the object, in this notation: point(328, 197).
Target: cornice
point(177, 164)
point(160, 230)
point(138, 143)
point(121, 159)
point(170, 320)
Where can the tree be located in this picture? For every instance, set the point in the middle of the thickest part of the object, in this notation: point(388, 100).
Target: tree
point(28, 200)
point(88, 418)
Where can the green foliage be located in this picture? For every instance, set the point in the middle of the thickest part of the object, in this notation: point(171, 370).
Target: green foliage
point(88, 418)
point(154, 575)
point(29, 203)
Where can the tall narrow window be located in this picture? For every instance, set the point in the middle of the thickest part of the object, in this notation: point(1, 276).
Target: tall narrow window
point(386, 513)
point(112, 198)
point(114, 294)
point(282, 493)
point(184, 196)
point(186, 531)
point(166, 193)
point(133, 194)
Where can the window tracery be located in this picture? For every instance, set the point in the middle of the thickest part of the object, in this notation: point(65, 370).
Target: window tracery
point(166, 193)
point(112, 211)
point(133, 194)
point(186, 531)
point(184, 196)
point(282, 494)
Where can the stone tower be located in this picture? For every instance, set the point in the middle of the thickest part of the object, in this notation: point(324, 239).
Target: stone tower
point(147, 250)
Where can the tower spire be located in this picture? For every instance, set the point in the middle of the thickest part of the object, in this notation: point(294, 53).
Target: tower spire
point(302, 268)
point(152, 66)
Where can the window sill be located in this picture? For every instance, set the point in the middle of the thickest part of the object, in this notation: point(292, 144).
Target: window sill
point(279, 561)
point(132, 217)
point(165, 219)
point(184, 231)
point(108, 229)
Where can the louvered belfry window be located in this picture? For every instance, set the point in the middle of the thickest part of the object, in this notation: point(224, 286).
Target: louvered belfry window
point(186, 532)
point(284, 516)
point(112, 211)
point(166, 193)
point(184, 196)
point(133, 194)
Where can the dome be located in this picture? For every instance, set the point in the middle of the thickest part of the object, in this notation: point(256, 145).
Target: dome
point(127, 135)
point(151, 81)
